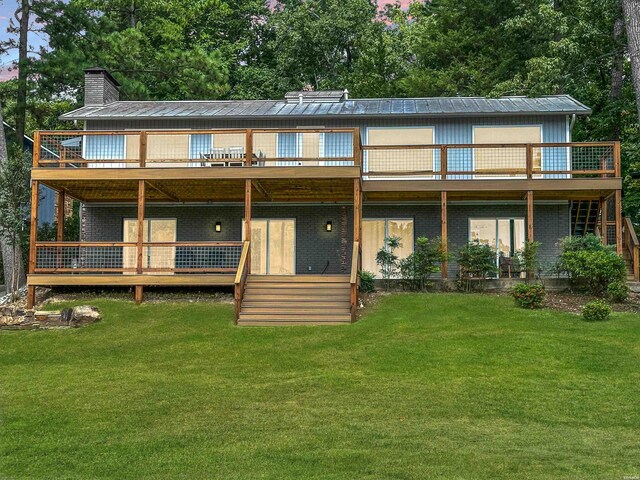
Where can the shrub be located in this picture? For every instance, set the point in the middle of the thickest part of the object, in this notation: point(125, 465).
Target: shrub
point(425, 260)
point(596, 311)
point(618, 292)
point(387, 260)
point(586, 259)
point(477, 260)
point(529, 295)
point(367, 282)
point(526, 260)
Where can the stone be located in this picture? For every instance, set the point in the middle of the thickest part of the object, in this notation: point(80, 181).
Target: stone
point(83, 315)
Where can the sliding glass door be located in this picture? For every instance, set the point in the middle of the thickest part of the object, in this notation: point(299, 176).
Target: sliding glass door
point(506, 235)
point(273, 245)
point(374, 231)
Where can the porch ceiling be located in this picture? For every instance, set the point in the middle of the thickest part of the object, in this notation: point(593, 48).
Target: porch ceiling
point(208, 190)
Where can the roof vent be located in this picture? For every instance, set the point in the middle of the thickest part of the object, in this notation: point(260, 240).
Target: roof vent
point(320, 96)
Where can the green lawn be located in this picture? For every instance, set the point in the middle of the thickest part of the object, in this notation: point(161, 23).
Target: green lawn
point(423, 386)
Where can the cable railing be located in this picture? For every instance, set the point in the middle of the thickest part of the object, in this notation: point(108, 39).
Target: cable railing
point(224, 148)
point(123, 257)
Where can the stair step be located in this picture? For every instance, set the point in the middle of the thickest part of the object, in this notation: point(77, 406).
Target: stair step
point(294, 318)
point(323, 312)
point(290, 305)
point(298, 278)
point(289, 323)
point(263, 285)
point(300, 292)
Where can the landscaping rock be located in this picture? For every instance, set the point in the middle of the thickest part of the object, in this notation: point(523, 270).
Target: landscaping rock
point(84, 315)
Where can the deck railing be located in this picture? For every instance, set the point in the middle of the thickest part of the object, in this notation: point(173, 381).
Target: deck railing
point(332, 147)
point(488, 161)
point(197, 148)
point(630, 242)
point(121, 257)
point(241, 277)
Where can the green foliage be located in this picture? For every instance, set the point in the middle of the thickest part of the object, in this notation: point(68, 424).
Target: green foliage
point(425, 260)
point(596, 311)
point(387, 260)
point(586, 260)
point(618, 292)
point(527, 258)
point(529, 296)
point(477, 260)
point(48, 232)
point(367, 282)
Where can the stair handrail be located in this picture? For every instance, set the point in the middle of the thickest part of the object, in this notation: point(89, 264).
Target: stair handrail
point(354, 279)
point(241, 277)
point(630, 240)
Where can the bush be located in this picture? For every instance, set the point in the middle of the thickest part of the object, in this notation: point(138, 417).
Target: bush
point(596, 311)
point(387, 260)
point(529, 295)
point(367, 282)
point(425, 260)
point(586, 259)
point(618, 292)
point(477, 260)
point(526, 260)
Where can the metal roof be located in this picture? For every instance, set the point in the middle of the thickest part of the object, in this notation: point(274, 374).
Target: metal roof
point(373, 107)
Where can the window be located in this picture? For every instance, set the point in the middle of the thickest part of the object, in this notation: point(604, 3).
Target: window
point(336, 145)
point(374, 231)
point(289, 146)
point(506, 235)
point(105, 147)
point(380, 161)
point(498, 161)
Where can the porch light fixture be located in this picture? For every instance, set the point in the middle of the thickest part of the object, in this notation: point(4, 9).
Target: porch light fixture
point(329, 226)
point(218, 227)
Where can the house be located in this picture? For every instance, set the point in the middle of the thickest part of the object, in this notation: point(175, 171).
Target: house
point(287, 200)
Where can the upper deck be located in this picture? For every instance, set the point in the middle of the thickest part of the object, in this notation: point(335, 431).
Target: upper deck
point(326, 159)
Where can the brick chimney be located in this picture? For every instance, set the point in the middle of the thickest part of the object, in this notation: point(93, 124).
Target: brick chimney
point(100, 88)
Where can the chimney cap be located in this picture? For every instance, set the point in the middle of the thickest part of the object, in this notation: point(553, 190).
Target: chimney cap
point(104, 71)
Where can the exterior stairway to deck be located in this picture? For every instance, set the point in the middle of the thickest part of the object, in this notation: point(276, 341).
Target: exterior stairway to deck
point(271, 300)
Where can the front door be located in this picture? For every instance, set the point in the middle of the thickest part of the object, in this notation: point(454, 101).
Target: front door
point(273, 246)
point(158, 259)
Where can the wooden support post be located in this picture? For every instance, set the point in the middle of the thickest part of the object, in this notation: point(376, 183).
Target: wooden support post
point(444, 233)
point(247, 218)
point(248, 156)
point(530, 216)
point(444, 160)
point(60, 216)
point(139, 294)
point(140, 237)
point(33, 238)
point(357, 149)
point(604, 214)
point(36, 149)
point(143, 149)
point(618, 206)
point(357, 210)
point(617, 164)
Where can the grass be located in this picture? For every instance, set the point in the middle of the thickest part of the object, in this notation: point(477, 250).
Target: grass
point(424, 386)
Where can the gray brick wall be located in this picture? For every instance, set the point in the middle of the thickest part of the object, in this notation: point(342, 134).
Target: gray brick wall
point(99, 89)
point(314, 246)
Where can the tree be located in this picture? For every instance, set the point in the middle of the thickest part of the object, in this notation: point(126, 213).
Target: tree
point(14, 195)
point(632, 19)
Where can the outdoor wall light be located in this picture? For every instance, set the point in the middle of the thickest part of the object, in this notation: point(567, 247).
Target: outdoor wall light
point(218, 227)
point(329, 226)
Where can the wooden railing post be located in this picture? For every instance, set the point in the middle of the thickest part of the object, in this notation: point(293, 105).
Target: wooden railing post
point(636, 262)
point(617, 165)
point(36, 148)
point(444, 160)
point(357, 149)
point(248, 156)
point(529, 158)
point(143, 149)
point(444, 234)
point(618, 208)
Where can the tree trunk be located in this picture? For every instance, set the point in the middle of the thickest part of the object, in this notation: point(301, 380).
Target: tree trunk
point(21, 94)
point(14, 276)
point(617, 73)
point(632, 19)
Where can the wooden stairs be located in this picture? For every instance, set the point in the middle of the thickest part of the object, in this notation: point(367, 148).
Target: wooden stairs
point(585, 215)
point(271, 300)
